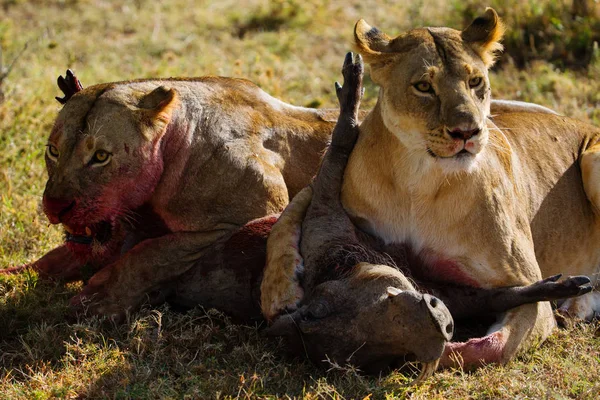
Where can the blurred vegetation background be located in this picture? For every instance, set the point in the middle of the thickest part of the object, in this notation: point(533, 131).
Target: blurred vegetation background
point(293, 50)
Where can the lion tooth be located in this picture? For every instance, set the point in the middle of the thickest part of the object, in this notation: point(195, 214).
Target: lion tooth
point(88, 231)
point(68, 229)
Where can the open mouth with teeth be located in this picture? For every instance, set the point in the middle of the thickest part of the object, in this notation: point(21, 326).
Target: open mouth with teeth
point(100, 232)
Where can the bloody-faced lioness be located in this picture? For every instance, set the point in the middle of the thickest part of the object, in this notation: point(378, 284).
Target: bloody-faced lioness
point(474, 198)
point(145, 176)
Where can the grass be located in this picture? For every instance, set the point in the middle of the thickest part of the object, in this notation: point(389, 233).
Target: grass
point(294, 51)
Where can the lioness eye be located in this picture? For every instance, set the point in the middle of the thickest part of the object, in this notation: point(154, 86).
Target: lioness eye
point(475, 82)
point(423, 86)
point(101, 156)
point(52, 151)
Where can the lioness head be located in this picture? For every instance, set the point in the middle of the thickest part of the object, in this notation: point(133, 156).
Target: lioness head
point(435, 91)
point(102, 161)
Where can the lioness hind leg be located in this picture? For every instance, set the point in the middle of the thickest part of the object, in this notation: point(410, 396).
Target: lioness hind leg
point(519, 329)
point(590, 173)
point(280, 288)
point(588, 306)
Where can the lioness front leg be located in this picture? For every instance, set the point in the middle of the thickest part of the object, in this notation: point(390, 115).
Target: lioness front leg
point(280, 288)
point(519, 329)
point(124, 284)
point(61, 264)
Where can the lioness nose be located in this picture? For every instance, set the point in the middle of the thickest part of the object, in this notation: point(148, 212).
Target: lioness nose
point(462, 134)
point(441, 315)
point(57, 208)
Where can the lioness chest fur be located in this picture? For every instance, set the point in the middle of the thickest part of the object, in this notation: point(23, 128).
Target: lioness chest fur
point(526, 187)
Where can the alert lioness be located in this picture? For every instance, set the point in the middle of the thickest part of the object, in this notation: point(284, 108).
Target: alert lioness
point(478, 199)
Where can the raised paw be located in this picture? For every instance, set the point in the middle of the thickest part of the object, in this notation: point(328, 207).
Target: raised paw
point(350, 94)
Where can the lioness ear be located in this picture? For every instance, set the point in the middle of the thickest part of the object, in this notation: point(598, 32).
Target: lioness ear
point(156, 110)
point(378, 48)
point(484, 35)
point(370, 41)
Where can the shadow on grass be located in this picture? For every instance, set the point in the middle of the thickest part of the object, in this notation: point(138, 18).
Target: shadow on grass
point(155, 353)
point(32, 317)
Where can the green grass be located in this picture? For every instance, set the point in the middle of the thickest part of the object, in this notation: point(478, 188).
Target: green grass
point(293, 50)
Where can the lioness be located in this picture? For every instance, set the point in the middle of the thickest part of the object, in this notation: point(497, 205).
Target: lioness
point(145, 176)
point(474, 198)
point(360, 307)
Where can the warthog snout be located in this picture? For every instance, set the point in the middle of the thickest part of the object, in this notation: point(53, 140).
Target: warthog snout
point(440, 314)
point(414, 323)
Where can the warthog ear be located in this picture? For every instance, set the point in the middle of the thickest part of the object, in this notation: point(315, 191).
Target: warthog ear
point(156, 110)
point(484, 35)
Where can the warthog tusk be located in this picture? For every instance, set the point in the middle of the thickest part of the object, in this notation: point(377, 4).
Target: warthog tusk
point(427, 370)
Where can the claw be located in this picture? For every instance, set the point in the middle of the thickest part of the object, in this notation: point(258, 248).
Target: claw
point(585, 290)
point(338, 87)
point(578, 280)
point(348, 59)
point(359, 63)
point(552, 278)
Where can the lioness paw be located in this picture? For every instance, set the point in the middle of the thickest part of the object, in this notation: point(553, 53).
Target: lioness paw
point(583, 308)
point(95, 305)
point(97, 299)
point(281, 291)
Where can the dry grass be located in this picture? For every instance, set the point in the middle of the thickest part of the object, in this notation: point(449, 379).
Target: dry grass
point(294, 51)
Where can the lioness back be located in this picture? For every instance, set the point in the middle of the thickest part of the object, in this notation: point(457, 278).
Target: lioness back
point(565, 228)
point(196, 144)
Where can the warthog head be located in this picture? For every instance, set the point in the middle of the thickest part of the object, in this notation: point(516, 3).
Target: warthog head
point(370, 319)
